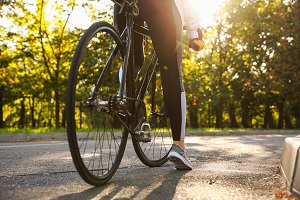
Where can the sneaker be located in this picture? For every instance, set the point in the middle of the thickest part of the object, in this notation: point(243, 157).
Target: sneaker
point(178, 156)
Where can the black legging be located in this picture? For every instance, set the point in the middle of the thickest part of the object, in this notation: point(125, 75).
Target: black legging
point(164, 22)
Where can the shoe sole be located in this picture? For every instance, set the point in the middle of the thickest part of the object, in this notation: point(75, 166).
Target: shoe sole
point(179, 163)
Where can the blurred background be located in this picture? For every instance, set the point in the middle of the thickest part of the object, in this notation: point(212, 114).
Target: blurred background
point(247, 76)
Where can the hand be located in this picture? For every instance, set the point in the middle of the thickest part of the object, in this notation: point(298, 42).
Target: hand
point(197, 44)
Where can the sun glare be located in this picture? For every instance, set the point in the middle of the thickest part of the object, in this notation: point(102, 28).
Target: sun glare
point(207, 10)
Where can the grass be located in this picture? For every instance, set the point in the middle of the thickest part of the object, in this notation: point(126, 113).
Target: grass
point(54, 130)
point(62, 130)
point(41, 130)
point(31, 130)
point(217, 130)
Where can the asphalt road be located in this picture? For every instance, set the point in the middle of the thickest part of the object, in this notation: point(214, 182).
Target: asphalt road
point(225, 167)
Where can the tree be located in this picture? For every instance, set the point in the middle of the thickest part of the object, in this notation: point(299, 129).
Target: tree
point(261, 33)
point(46, 48)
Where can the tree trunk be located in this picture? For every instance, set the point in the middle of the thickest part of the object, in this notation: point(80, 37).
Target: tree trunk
point(268, 119)
point(209, 114)
point(219, 108)
point(233, 122)
point(271, 121)
point(56, 96)
point(32, 108)
point(22, 114)
point(193, 117)
point(288, 122)
point(219, 115)
point(63, 123)
point(1, 106)
point(297, 124)
point(245, 113)
point(280, 114)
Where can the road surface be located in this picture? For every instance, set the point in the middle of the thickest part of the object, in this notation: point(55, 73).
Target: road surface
point(225, 167)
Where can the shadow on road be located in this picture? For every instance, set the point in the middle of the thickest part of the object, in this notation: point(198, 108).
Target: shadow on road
point(140, 183)
point(240, 163)
point(86, 194)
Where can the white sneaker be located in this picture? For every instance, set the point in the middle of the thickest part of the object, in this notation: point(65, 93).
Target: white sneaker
point(178, 156)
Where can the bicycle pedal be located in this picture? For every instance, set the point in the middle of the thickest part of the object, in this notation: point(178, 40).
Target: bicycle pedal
point(144, 137)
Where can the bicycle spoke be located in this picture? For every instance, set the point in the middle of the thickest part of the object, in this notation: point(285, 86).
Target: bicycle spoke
point(97, 139)
point(153, 150)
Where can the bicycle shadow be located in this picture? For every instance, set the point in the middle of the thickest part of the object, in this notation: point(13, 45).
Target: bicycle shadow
point(214, 156)
point(86, 194)
point(140, 183)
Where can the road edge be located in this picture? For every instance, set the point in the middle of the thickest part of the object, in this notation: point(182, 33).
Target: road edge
point(25, 137)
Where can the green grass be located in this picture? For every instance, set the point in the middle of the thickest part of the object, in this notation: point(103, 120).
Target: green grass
point(62, 130)
point(41, 130)
point(54, 130)
point(216, 130)
point(31, 130)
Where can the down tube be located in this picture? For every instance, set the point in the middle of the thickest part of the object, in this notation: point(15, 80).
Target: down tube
point(103, 74)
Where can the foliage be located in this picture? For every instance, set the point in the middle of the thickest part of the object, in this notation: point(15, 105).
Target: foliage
point(246, 77)
point(39, 53)
point(30, 130)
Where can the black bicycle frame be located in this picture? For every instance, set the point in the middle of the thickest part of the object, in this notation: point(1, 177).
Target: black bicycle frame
point(127, 37)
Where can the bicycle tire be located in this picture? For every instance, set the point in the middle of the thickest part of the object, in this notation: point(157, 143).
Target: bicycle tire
point(153, 153)
point(96, 139)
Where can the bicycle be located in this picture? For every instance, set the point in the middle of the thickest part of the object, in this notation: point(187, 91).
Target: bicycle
point(105, 104)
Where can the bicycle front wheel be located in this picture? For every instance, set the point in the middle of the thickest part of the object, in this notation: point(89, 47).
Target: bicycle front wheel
point(96, 137)
point(154, 139)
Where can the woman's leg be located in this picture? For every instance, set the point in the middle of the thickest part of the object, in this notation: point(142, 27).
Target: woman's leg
point(165, 28)
point(163, 20)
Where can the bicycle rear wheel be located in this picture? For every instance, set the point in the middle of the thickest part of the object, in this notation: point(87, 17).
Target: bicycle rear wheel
point(96, 137)
point(154, 139)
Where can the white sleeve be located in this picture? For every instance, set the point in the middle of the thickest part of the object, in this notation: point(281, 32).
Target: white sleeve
point(191, 18)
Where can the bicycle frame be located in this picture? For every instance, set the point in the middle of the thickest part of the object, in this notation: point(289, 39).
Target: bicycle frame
point(114, 110)
point(129, 29)
point(127, 38)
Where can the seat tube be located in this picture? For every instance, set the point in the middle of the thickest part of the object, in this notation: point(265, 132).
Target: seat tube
point(126, 60)
point(129, 32)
